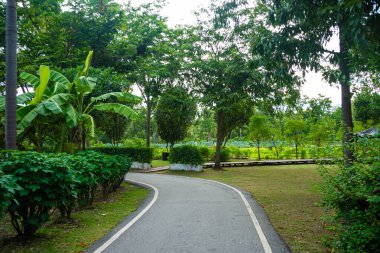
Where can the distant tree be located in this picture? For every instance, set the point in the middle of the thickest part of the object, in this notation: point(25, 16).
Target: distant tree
point(150, 55)
point(321, 132)
point(259, 130)
point(204, 126)
point(174, 115)
point(317, 108)
point(294, 129)
point(228, 80)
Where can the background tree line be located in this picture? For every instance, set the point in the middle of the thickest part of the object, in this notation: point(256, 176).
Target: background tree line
point(231, 62)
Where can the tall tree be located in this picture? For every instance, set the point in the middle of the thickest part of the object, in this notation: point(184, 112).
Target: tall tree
point(174, 115)
point(11, 75)
point(227, 76)
point(260, 130)
point(298, 33)
point(146, 52)
point(295, 130)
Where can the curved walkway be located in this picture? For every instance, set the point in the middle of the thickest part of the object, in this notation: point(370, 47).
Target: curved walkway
point(189, 215)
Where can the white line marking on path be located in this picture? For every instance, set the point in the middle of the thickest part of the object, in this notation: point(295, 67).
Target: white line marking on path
point(133, 221)
point(263, 239)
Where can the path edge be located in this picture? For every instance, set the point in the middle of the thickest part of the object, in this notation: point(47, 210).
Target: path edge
point(98, 246)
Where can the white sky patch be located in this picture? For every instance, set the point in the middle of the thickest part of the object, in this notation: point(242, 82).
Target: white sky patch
point(180, 12)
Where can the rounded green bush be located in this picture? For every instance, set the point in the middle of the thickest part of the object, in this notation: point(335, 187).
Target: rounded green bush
point(186, 155)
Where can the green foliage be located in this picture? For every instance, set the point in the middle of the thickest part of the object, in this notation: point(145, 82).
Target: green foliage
point(367, 107)
point(353, 194)
point(295, 129)
point(205, 152)
point(225, 155)
point(134, 143)
point(260, 130)
point(35, 183)
point(8, 188)
point(143, 155)
point(186, 155)
point(174, 115)
point(46, 182)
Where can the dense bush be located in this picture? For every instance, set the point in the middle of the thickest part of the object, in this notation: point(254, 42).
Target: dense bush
point(205, 152)
point(186, 155)
point(35, 183)
point(224, 155)
point(46, 182)
point(353, 194)
point(8, 188)
point(142, 155)
point(134, 143)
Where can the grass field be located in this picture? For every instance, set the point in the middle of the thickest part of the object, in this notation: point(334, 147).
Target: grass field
point(76, 235)
point(289, 195)
point(159, 163)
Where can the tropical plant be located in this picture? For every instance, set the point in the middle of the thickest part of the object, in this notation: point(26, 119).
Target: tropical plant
point(57, 102)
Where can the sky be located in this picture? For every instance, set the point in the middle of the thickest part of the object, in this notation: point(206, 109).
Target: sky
point(181, 12)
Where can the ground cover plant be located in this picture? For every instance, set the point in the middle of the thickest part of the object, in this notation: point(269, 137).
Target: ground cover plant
point(288, 194)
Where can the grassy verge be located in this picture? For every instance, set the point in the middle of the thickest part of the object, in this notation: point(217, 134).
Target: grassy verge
point(289, 195)
point(87, 225)
point(159, 163)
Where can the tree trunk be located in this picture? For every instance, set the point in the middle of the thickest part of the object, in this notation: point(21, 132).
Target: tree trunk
point(348, 125)
point(258, 150)
point(148, 119)
point(275, 146)
point(11, 75)
point(219, 140)
point(296, 150)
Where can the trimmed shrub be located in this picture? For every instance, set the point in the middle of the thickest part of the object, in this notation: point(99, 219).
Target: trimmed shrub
point(142, 155)
point(54, 180)
point(109, 172)
point(46, 182)
point(186, 155)
point(205, 153)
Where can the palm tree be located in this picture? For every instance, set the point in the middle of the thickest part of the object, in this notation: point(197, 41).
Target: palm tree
point(11, 75)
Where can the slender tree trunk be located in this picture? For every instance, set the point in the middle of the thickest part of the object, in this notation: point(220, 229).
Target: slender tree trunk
point(148, 120)
point(348, 125)
point(219, 140)
point(296, 150)
point(258, 152)
point(11, 75)
point(275, 146)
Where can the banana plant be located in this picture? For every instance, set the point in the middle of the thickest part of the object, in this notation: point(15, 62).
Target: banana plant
point(55, 97)
point(82, 86)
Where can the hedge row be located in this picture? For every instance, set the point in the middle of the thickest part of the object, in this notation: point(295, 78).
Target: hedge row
point(142, 155)
point(32, 184)
point(186, 155)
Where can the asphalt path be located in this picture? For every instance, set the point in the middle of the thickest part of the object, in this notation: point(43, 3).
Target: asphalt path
point(189, 215)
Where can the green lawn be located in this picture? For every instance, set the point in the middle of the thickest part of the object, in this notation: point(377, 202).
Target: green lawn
point(87, 226)
point(289, 194)
point(159, 163)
